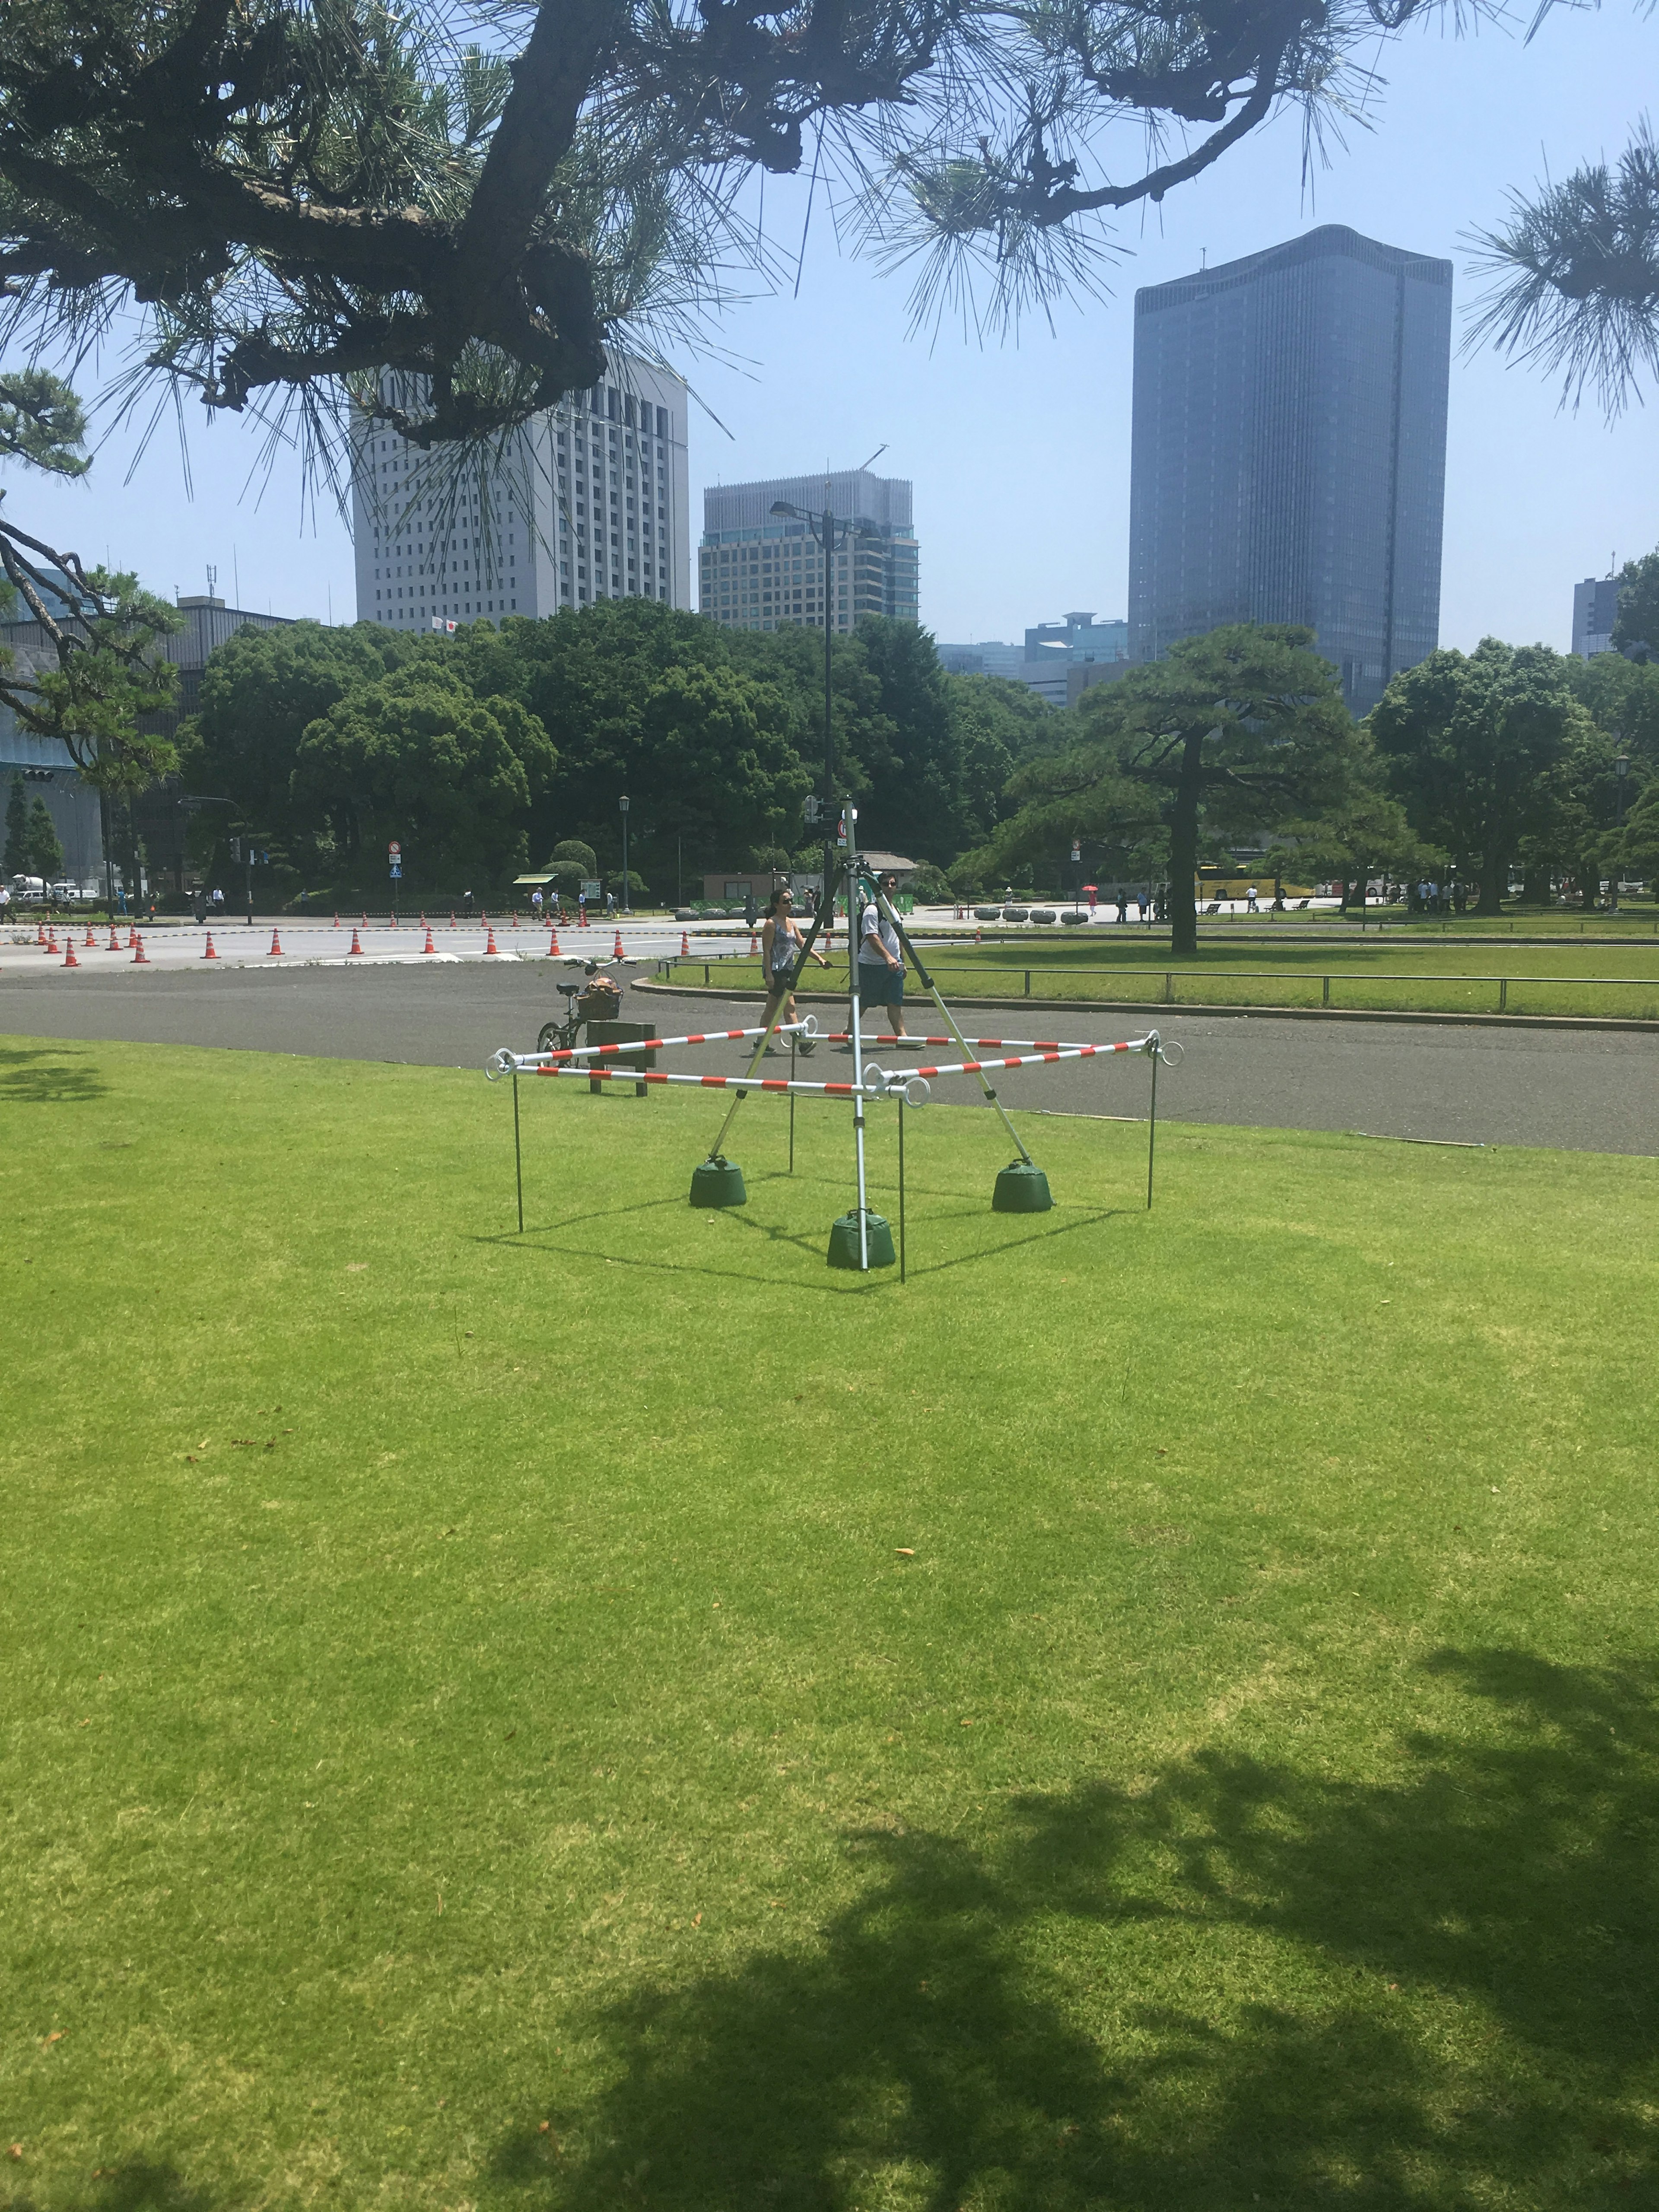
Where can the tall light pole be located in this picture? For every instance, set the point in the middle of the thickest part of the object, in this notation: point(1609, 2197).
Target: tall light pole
point(831, 534)
point(623, 804)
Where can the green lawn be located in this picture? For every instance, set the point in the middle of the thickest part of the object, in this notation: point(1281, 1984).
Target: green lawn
point(1423, 976)
point(1158, 1711)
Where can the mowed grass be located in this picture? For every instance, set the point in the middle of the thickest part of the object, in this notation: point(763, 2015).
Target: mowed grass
point(1157, 1711)
point(1617, 982)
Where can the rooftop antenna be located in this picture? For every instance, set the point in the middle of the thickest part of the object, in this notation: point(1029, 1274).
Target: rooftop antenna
point(236, 572)
point(1203, 256)
point(213, 581)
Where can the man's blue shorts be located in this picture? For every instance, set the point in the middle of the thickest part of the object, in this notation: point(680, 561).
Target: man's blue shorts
point(880, 985)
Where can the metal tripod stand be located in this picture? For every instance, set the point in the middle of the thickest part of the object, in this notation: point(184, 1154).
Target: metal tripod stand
point(846, 872)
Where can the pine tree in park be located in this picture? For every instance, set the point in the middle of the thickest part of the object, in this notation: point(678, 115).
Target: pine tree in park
point(17, 829)
point(45, 848)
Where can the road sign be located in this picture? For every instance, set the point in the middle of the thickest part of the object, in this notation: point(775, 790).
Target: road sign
point(1077, 849)
point(394, 851)
point(396, 870)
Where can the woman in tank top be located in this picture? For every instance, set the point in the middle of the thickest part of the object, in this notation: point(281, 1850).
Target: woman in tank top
point(781, 947)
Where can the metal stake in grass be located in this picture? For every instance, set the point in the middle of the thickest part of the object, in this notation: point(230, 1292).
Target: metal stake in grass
point(518, 1153)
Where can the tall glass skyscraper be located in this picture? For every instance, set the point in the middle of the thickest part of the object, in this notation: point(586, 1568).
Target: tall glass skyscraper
point(1289, 454)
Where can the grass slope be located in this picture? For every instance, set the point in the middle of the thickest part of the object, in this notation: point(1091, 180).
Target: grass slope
point(1156, 1712)
point(1621, 981)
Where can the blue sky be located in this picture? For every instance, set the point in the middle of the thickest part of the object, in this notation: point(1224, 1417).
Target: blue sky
point(1020, 451)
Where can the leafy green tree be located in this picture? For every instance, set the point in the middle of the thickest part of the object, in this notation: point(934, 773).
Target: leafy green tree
point(45, 849)
point(1621, 698)
point(1469, 742)
point(1233, 732)
point(1636, 622)
point(415, 756)
point(792, 661)
point(917, 804)
point(16, 862)
point(580, 856)
point(1366, 834)
point(261, 691)
point(1574, 825)
point(715, 752)
point(1638, 848)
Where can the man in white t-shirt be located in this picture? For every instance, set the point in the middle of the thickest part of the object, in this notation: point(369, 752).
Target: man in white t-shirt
point(880, 963)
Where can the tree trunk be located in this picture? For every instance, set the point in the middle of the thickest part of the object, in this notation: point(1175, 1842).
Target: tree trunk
point(1590, 885)
point(1184, 847)
point(1494, 876)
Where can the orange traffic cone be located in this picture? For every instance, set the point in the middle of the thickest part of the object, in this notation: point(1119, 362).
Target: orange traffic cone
point(92, 942)
point(979, 937)
point(365, 921)
point(754, 944)
point(489, 939)
point(40, 934)
point(515, 917)
point(140, 958)
point(210, 954)
point(451, 918)
point(686, 946)
point(114, 945)
point(70, 960)
point(336, 921)
point(52, 939)
point(618, 954)
point(276, 952)
point(426, 925)
point(394, 917)
point(552, 943)
point(132, 937)
point(355, 946)
point(429, 946)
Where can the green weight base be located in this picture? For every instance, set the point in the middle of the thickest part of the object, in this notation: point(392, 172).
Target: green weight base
point(1021, 1189)
point(718, 1182)
point(844, 1241)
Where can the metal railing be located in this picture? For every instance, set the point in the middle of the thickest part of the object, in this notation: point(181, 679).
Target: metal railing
point(1172, 977)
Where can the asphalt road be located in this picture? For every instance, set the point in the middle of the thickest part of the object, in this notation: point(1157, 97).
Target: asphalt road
point(1581, 1091)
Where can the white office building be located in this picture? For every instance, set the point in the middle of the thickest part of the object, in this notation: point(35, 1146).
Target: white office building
point(590, 501)
point(757, 570)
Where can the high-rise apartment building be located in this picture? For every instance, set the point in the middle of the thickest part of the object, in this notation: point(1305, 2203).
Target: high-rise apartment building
point(1594, 609)
point(757, 570)
point(590, 501)
point(1288, 452)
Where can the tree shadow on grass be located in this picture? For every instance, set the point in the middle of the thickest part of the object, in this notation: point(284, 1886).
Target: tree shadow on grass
point(1457, 2005)
point(142, 2185)
point(25, 1082)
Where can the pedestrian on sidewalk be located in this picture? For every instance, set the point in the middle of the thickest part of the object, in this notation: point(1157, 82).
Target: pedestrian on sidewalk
point(781, 945)
point(880, 963)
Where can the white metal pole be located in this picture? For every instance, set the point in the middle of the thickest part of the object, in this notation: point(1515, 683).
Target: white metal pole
point(852, 920)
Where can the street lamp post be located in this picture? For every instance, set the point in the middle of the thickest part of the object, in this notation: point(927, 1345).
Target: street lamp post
point(1621, 770)
point(623, 804)
point(831, 534)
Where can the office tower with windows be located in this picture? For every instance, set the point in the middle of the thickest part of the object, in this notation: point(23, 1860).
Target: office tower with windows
point(589, 501)
point(1288, 457)
point(1594, 609)
point(757, 570)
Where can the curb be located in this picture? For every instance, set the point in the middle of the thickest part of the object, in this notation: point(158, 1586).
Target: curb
point(1158, 1007)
